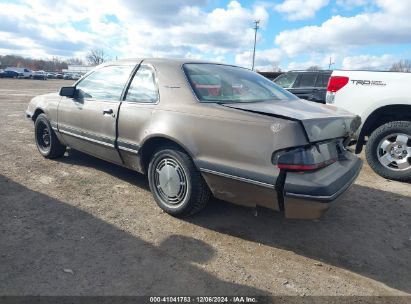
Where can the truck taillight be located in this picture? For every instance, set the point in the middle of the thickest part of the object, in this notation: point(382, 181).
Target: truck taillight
point(307, 158)
point(336, 83)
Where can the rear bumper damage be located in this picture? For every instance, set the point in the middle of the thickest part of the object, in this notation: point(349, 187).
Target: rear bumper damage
point(309, 195)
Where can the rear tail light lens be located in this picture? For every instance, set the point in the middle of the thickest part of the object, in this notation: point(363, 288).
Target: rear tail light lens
point(302, 167)
point(308, 158)
point(336, 83)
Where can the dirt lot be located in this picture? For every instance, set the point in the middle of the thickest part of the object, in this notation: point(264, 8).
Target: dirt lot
point(80, 226)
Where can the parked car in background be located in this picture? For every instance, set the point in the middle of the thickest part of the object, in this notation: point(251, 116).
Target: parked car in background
point(9, 74)
point(39, 75)
point(50, 75)
point(22, 72)
point(198, 128)
point(68, 76)
point(309, 85)
point(75, 76)
point(59, 76)
point(382, 99)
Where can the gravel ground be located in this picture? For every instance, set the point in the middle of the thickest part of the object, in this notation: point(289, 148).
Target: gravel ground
point(82, 226)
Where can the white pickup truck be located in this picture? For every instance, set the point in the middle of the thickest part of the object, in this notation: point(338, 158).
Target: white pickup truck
point(383, 100)
point(23, 72)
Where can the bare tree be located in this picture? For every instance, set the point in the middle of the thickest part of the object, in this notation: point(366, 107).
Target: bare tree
point(403, 65)
point(96, 56)
point(314, 68)
point(75, 61)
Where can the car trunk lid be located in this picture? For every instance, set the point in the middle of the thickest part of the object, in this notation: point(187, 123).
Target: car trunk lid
point(321, 122)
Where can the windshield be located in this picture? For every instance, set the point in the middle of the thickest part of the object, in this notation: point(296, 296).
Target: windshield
point(222, 83)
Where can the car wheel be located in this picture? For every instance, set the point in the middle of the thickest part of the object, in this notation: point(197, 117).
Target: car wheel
point(46, 140)
point(388, 150)
point(176, 184)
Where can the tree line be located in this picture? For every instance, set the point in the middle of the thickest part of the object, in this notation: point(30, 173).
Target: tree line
point(404, 65)
point(55, 64)
point(98, 56)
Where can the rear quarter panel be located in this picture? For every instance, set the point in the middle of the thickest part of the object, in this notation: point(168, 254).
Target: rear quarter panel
point(228, 140)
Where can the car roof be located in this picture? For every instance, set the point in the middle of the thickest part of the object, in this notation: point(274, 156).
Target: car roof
point(162, 61)
point(308, 71)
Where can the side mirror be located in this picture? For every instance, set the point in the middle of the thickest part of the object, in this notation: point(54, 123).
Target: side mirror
point(68, 91)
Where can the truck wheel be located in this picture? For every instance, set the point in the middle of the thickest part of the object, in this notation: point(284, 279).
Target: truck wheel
point(177, 186)
point(388, 150)
point(46, 140)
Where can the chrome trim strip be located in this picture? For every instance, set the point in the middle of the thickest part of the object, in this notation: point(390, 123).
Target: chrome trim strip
point(69, 129)
point(241, 179)
point(127, 146)
point(86, 138)
point(311, 197)
point(128, 149)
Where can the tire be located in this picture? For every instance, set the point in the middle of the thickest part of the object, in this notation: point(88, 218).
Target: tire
point(388, 150)
point(46, 140)
point(177, 186)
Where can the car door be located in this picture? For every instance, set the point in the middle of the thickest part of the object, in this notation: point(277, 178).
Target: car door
point(139, 102)
point(87, 122)
point(305, 85)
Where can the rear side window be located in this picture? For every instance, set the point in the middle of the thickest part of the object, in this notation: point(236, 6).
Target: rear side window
point(143, 87)
point(106, 83)
point(307, 80)
point(286, 80)
point(322, 80)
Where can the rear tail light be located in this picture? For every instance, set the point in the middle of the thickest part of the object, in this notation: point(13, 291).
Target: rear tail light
point(307, 159)
point(335, 84)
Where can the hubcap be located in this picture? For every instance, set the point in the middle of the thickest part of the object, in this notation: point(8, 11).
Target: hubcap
point(170, 181)
point(394, 152)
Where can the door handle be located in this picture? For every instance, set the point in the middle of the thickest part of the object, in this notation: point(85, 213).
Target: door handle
point(108, 111)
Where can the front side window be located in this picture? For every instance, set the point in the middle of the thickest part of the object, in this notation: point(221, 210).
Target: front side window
point(286, 80)
point(106, 83)
point(143, 87)
point(222, 83)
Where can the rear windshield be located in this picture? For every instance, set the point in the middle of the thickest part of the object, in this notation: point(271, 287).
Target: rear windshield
point(222, 83)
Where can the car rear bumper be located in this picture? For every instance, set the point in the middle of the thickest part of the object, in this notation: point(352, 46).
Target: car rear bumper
point(309, 195)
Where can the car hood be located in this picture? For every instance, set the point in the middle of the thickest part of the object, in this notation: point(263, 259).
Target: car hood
point(320, 121)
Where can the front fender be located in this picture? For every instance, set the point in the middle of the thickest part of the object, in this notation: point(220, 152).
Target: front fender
point(47, 104)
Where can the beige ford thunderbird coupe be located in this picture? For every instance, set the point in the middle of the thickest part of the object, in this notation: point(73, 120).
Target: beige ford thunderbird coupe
point(201, 129)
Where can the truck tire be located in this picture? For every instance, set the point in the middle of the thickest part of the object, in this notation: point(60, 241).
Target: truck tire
point(388, 150)
point(177, 186)
point(46, 140)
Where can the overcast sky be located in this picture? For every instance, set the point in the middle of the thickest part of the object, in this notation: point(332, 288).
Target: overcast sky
point(294, 33)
